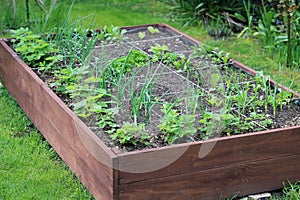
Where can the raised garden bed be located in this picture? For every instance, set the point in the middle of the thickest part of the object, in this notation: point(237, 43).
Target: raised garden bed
point(211, 160)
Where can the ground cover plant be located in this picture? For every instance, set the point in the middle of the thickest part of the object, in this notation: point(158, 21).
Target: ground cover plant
point(157, 89)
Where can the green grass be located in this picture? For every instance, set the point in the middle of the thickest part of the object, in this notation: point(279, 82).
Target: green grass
point(29, 167)
point(251, 53)
point(117, 13)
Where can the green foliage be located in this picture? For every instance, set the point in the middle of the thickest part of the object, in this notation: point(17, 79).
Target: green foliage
point(75, 43)
point(266, 29)
point(152, 30)
point(248, 30)
point(112, 33)
point(142, 102)
point(67, 77)
point(157, 52)
point(212, 123)
point(291, 15)
point(30, 167)
point(197, 12)
point(125, 64)
point(218, 56)
point(34, 50)
point(175, 126)
point(218, 29)
point(131, 134)
point(179, 62)
point(292, 191)
point(141, 35)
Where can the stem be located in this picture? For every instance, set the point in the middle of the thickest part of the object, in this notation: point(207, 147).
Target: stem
point(15, 9)
point(289, 47)
point(27, 10)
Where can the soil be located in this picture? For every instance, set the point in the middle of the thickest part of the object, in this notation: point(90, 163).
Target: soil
point(172, 85)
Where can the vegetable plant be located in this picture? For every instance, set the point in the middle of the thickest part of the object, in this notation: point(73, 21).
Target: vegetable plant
point(35, 50)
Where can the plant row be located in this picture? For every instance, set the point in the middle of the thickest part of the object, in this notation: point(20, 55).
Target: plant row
point(96, 87)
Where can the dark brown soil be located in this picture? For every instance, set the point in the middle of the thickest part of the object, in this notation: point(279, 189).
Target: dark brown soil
point(172, 85)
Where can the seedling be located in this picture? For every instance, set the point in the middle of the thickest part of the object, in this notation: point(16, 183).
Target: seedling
point(153, 30)
point(176, 126)
point(141, 35)
point(131, 134)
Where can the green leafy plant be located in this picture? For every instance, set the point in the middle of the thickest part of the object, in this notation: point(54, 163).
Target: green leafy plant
point(157, 52)
point(141, 35)
point(218, 29)
point(131, 134)
point(248, 30)
point(266, 29)
point(75, 44)
point(153, 30)
point(34, 50)
point(175, 126)
point(289, 12)
point(112, 33)
point(218, 56)
point(212, 123)
point(292, 191)
point(197, 12)
point(177, 61)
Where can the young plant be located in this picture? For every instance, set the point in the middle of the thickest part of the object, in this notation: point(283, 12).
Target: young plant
point(218, 56)
point(157, 52)
point(142, 102)
point(131, 134)
point(141, 35)
point(153, 30)
point(112, 33)
point(175, 126)
point(35, 51)
point(212, 123)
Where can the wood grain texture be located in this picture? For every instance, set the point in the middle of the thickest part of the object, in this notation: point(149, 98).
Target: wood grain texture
point(225, 151)
point(82, 151)
point(217, 183)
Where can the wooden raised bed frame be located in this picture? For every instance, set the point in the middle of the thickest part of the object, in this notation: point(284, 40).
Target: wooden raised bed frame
point(212, 169)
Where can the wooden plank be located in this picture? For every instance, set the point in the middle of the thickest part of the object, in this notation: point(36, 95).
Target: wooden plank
point(186, 158)
point(72, 140)
point(217, 183)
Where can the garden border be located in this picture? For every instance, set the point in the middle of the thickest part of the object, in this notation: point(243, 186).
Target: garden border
point(212, 169)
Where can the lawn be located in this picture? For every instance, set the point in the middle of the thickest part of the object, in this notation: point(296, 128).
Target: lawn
point(30, 168)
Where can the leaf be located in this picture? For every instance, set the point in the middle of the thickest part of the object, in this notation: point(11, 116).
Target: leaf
point(92, 79)
point(240, 17)
point(141, 35)
point(152, 30)
point(79, 105)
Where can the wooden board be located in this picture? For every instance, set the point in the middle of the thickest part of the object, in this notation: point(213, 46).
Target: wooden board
point(217, 183)
point(82, 151)
point(213, 153)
